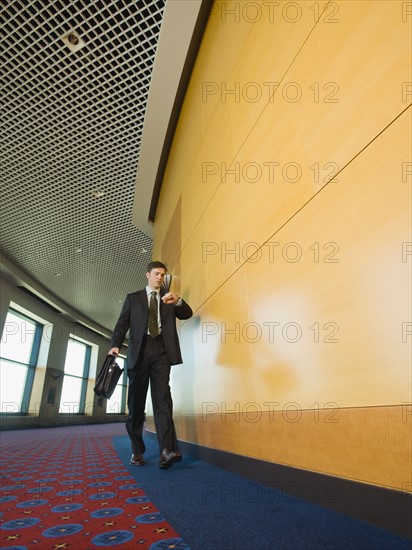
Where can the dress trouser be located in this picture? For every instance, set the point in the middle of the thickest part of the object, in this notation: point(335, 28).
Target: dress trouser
point(153, 365)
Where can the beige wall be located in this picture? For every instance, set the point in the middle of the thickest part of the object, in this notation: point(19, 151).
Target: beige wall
point(288, 194)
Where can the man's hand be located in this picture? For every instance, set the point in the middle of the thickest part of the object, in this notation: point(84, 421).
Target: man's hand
point(170, 298)
point(114, 351)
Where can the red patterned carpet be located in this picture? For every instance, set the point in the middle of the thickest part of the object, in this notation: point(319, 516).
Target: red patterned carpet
point(66, 489)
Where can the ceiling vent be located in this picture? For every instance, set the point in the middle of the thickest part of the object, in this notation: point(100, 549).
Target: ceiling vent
point(39, 299)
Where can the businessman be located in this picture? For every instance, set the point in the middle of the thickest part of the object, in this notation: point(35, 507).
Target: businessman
point(150, 315)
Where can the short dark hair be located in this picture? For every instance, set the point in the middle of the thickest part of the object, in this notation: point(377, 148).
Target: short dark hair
point(155, 265)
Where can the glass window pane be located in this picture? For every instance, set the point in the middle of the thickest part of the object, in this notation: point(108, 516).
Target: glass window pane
point(76, 353)
point(12, 381)
point(71, 391)
point(114, 405)
point(17, 338)
point(120, 361)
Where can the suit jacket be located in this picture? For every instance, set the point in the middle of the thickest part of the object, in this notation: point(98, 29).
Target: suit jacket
point(134, 316)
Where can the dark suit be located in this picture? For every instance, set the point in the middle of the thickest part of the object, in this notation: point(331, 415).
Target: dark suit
point(150, 359)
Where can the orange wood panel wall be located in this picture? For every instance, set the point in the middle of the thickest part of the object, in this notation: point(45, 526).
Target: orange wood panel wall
point(289, 187)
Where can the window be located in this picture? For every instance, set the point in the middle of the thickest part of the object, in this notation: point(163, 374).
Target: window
point(117, 402)
point(76, 373)
point(20, 344)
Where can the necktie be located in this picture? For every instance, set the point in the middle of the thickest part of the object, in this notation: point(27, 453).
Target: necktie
point(153, 326)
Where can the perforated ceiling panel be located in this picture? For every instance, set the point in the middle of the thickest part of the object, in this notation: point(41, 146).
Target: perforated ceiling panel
point(71, 130)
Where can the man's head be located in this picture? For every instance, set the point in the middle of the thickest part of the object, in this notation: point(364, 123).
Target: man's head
point(156, 272)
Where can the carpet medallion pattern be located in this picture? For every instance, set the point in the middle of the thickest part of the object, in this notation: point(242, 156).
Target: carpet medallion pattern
point(66, 489)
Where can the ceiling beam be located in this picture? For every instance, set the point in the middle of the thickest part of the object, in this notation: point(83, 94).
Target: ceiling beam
point(180, 35)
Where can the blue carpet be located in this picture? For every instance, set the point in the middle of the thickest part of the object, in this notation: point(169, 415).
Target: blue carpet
point(212, 509)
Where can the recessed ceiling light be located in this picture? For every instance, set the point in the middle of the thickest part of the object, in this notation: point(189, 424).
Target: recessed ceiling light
point(73, 41)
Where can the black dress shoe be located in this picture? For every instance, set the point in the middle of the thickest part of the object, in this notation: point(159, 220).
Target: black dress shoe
point(168, 458)
point(137, 460)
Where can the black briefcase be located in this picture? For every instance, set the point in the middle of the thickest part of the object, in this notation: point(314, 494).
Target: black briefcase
point(108, 377)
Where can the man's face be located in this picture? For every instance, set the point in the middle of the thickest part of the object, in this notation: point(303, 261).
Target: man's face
point(155, 277)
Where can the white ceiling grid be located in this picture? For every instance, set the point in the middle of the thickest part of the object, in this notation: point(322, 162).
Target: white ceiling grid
point(71, 130)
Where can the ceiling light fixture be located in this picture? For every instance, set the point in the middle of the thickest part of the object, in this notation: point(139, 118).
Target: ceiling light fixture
point(73, 41)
